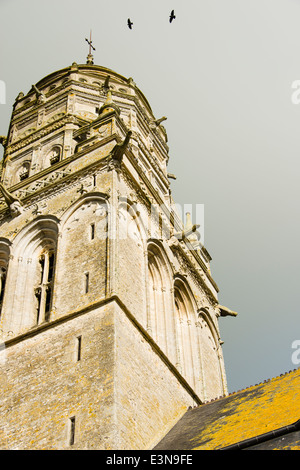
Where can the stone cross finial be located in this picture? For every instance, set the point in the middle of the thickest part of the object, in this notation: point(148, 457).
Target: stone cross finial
point(90, 58)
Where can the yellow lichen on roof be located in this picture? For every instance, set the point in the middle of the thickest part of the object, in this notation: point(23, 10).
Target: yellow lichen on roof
point(288, 448)
point(255, 411)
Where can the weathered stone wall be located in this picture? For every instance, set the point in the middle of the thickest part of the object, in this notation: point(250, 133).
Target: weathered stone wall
point(149, 397)
point(81, 267)
point(43, 385)
point(122, 395)
point(213, 383)
point(131, 259)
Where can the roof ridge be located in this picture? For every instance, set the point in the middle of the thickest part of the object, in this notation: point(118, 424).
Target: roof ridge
point(247, 388)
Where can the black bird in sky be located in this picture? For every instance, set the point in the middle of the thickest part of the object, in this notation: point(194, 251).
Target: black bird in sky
point(172, 16)
point(129, 23)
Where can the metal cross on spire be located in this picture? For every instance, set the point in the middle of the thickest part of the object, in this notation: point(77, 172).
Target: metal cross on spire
point(90, 58)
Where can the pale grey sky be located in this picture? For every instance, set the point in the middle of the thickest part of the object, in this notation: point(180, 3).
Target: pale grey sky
point(222, 73)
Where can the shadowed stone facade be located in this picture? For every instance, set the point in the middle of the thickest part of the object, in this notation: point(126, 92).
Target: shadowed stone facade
point(109, 313)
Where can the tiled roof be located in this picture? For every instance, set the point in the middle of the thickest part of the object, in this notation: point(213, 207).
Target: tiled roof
point(243, 415)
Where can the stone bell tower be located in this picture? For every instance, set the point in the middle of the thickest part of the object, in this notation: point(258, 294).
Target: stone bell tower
point(109, 313)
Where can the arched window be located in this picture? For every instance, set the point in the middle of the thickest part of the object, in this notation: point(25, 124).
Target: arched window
point(54, 155)
point(3, 272)
point(24, 171)
point(214, 385)
point(29, 284)
point(131, 258)
point(4, 259)
point(82, 267)
point(161, 319)
point(187, 341)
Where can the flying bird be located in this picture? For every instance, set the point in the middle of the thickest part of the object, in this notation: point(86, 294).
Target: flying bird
point(129, 23)
point(172, 16)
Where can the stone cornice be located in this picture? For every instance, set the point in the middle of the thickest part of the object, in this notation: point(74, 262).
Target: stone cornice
point(63, 118)
point(61, 166)
point(59, 93)
point(37, 134)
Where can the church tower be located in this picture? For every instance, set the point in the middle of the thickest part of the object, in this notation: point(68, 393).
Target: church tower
point(109, 313)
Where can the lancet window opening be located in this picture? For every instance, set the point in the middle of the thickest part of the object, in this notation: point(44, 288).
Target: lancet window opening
point(161, 322)
point(44, 290)
point(3, 273)
point(185, 326)
point(4, 261)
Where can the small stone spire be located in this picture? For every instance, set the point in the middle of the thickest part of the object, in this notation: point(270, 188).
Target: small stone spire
point(188, 221)
point(109, 105)
point(108, 97)
point(191, 232)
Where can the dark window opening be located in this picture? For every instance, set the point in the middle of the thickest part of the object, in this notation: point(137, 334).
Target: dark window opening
point(3, 282)
point(87, 282)
point(38, 294)
point(78, 348)
point(44, 290)
point(48, 301)
point(24, 174)
point(92, 231)
point(51, 267)
point(42, 263)
point(72, 431)
point(55, 156)
point(2, 287)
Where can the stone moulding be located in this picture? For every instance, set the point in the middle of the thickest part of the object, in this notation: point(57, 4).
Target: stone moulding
point(61, 121)
point(186, 260)
point(114, 298)
point(59, 166)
